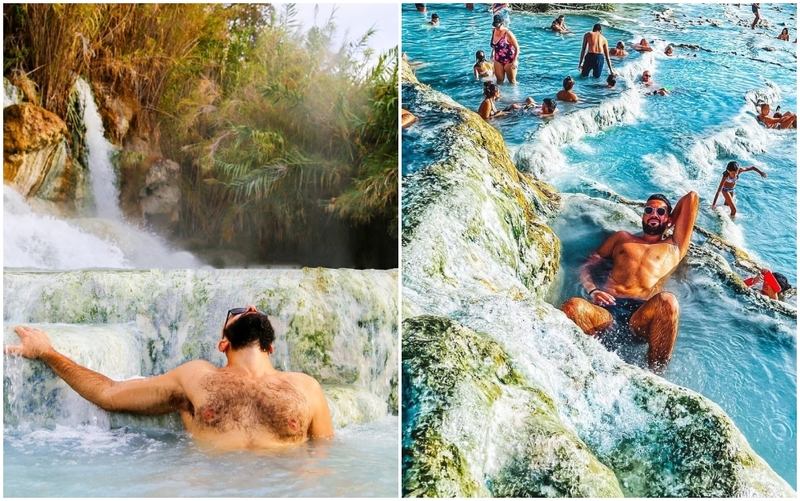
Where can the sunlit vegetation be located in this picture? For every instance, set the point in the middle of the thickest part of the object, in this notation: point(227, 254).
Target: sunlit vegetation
point(282, 135)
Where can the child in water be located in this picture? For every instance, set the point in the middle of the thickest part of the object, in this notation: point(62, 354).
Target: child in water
point(483, 69)
point(728, 183)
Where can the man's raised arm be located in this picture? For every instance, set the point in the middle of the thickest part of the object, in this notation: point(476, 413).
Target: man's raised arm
point(156, 395)
point(683, 217)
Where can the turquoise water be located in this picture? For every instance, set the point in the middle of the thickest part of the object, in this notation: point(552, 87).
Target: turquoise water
point(128, 462)
point(624, 142)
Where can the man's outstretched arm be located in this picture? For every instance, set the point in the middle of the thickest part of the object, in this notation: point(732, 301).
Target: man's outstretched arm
point(157, 395)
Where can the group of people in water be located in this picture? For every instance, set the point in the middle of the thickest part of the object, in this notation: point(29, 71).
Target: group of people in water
point(630, 299)
point(595, 53)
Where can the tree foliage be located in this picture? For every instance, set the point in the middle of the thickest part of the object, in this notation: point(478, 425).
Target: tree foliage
point(279, 131)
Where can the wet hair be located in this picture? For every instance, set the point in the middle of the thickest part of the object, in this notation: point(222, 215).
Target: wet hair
point(611, 80)
point(568, 83)
point(597, 27)
point(732, 166)
point(434, 16)
point(480, 57)
point(489, 89)
point(785, 30)
point(621, 45)
point(248, 329)
point(550, 103)
point(782, 281)
point(659, 196)
point(562, 17)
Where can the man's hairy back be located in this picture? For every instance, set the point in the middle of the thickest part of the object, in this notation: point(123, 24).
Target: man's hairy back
point(235, 410)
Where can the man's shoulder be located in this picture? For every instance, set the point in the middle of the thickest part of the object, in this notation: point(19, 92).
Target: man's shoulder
point(196, 367)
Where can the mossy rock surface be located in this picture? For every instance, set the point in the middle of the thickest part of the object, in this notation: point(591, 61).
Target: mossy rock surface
point(457, 383)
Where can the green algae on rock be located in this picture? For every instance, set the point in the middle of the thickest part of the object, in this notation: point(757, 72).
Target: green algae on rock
point(459, 379)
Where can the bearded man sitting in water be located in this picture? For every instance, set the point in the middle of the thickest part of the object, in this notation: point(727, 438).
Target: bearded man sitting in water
point(245, 404)
point(632, 295)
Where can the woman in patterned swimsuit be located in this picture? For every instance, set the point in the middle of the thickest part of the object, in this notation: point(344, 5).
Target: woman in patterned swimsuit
point(505, 51)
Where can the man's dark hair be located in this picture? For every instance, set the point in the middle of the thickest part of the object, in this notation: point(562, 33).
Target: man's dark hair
point(249, 328)
point(659, 196)
point(782, 281)
point(597, 27)
point(568, 83)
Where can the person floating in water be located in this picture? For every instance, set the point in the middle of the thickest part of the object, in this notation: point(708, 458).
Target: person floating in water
point(611, 81)
point(771, 284)
point(787, 120)
point(594, 48)
point(559, 26)
point(642, 46)
point(728, 184)
point(482, 69)
point(756, 7)
point(632, 296)
point(619, 50)
point(784, 35)
point(566, 93)
point(434, 19)
point(668, 51)
point(246, 404)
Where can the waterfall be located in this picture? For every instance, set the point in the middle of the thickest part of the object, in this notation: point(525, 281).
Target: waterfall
point(101, 171)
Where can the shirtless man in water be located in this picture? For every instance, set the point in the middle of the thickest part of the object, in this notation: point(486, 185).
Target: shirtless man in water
point(641, 264)
point(786, 120)
point(594, 48)
point(246, 404)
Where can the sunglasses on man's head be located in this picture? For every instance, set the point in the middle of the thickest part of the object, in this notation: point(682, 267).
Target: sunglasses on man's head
point(238, 311)
point(660, 211)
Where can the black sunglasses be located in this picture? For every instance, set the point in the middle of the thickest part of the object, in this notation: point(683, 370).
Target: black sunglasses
point(238, 311)
point(660, 211)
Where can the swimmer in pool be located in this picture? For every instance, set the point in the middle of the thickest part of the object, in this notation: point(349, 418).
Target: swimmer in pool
point(482, 69)
point(566, 94)
point(245, 404)
point(728, 184)
point(787, 120)
point(632, 295)
point(619, 50)
point(559, 26)
point(593, 49)
point(642, 46)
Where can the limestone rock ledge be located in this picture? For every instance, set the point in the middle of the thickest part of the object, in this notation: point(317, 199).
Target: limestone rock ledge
point(502, 394)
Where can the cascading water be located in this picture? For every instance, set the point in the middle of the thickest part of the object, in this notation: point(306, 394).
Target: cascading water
point(338, 325)
point(101, 172)
point(47, 241)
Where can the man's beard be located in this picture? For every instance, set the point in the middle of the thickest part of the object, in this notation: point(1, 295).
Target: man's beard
point(654, 230)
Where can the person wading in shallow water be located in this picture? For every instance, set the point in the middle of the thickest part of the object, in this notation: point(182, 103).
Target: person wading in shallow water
point(246, 404)
point(632, 295)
